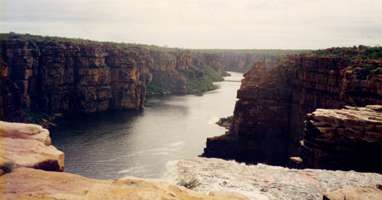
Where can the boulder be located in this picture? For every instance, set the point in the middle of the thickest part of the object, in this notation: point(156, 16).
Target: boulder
point(348, 138)
point(28, 145)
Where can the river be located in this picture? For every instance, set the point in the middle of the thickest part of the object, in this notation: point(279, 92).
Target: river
point(118, 144)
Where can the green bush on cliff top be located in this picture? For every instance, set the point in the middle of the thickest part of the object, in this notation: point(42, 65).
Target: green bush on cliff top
point(203, 82)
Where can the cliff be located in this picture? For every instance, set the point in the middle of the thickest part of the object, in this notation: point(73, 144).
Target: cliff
point(269, 116)
point(46, 75)
point(43, 77)
point(243, 60)
point(349, 138)
point(51, 75)
point(29, 169)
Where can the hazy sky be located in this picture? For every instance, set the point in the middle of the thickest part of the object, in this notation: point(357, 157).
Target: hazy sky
point(202, 23)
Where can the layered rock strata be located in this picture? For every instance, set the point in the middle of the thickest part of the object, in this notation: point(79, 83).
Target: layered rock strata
point(269, 116)
point(28, 145)
point(28, 162)
point(66, 76)
point(264, 182)
point(46, 76)
point(54, 76)
point(349, 138)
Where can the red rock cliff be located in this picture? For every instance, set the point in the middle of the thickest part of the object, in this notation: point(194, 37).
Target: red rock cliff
point(269, 116)
point(58, 75)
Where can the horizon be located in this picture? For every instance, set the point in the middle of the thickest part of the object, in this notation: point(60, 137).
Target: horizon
point(211, 24)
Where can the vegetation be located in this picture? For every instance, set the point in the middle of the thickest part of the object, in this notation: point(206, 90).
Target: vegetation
point(365, 61)
point(196, 80)
point(191, 183)
point(204, 82)
point(44, 119)
point(356, 52)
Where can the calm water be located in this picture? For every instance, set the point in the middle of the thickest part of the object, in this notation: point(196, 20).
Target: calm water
point(117, 144)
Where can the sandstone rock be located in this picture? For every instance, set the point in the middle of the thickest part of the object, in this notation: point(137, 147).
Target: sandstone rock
point(28, 145)
point(268, 121)
point(264, 182)
point(25, 183)
point(58, 75)
point(349, 138)
point(355, 193)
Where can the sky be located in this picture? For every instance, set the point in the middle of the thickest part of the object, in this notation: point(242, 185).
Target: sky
point(221, 24)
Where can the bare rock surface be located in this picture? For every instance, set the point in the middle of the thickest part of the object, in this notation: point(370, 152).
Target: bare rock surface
point(30, 168)
point(355, 193)
point(264, 182)
point(26, 183)
point(344, 138)
point(28, 145)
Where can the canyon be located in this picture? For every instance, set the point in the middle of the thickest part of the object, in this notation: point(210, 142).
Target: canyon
point(44, 77)
point(319, 109)
point(274, 100)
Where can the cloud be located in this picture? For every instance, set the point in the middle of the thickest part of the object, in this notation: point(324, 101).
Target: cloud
point(203, 23)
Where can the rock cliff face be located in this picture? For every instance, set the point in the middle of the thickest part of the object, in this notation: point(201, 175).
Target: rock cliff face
point(47, 75)
point(269, 116)
point(56, 75)
point(348, 138)
point(243, 60)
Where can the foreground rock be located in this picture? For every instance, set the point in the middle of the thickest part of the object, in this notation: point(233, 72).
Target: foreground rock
point(355, 193)
point(25, 183)
point(263, 182)
point(28, 145)
point(26, 152)
point(349, 138)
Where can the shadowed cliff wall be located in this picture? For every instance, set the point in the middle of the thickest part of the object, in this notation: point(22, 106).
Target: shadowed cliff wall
point(269, 116)
point(45, 76)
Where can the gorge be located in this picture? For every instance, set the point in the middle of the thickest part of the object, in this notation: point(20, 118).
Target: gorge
point(121, 110)
point(60, 76)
